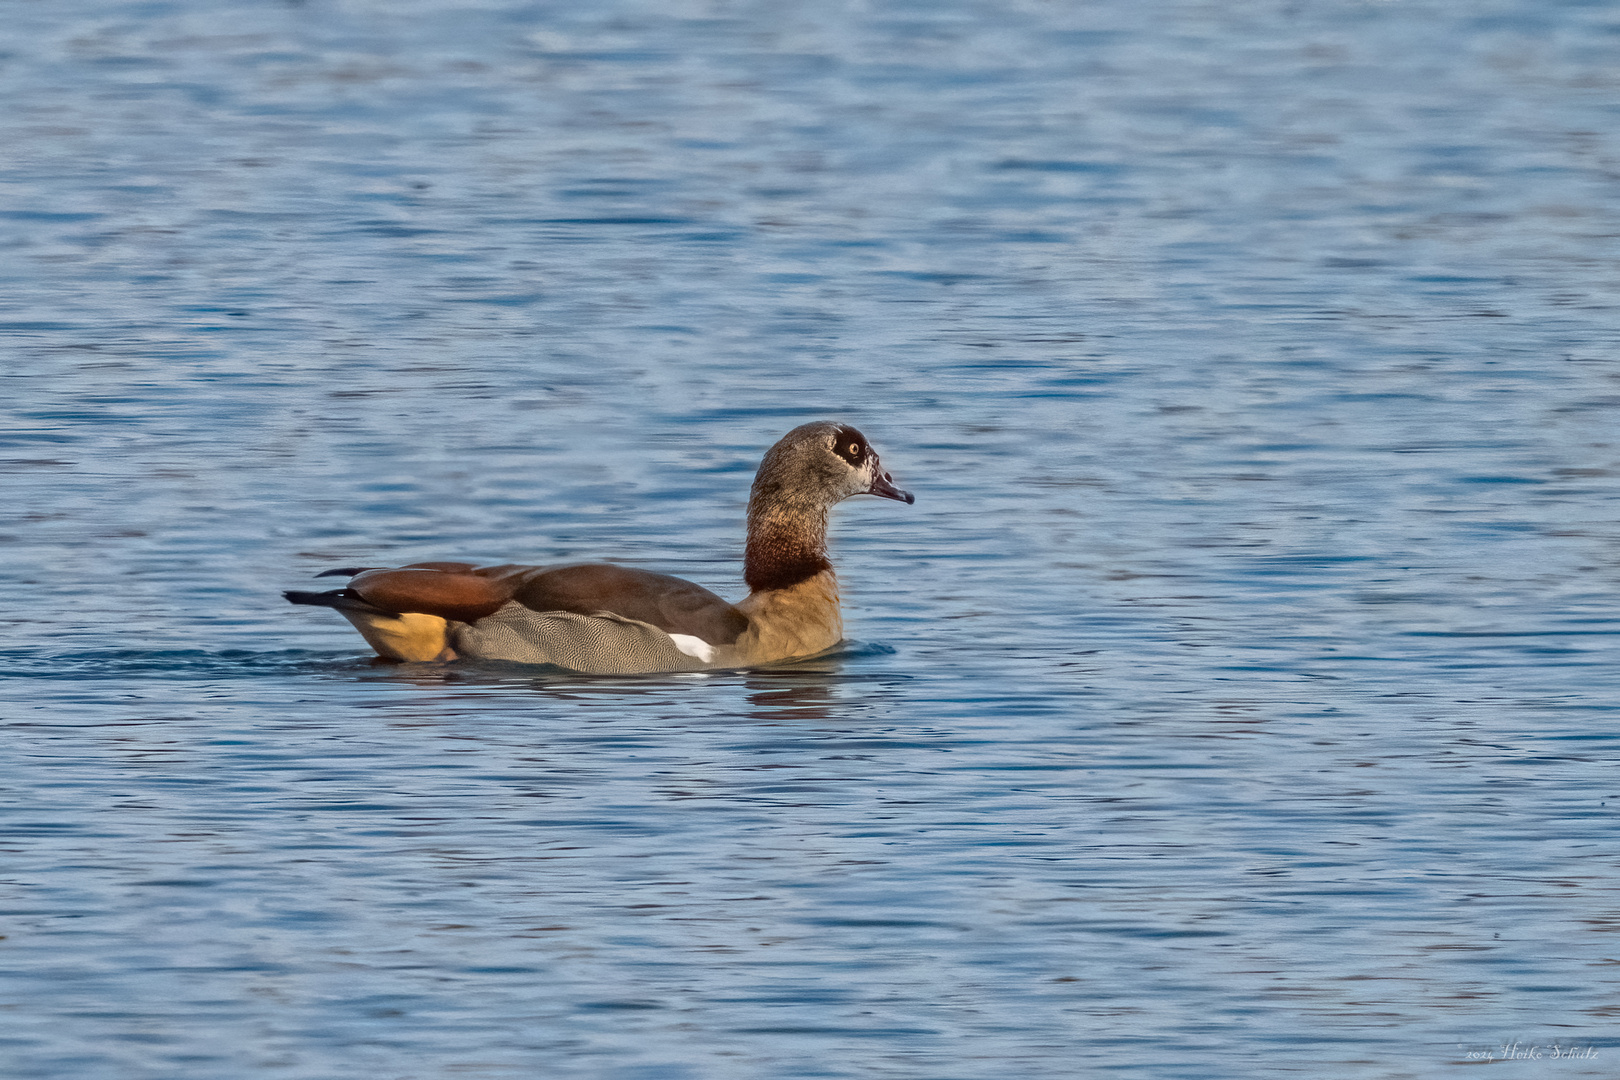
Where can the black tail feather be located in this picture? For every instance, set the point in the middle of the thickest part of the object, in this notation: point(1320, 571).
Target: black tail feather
point(342, 599)
point(347, 571)
point(316, 599)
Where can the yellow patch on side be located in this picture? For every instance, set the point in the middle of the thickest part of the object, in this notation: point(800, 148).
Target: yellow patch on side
point(411, 636)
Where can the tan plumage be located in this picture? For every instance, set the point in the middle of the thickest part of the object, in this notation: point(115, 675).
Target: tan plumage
point(606, 619)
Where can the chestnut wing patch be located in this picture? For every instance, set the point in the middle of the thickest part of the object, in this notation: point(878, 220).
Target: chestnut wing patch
point(428, 590)
point(673, 605)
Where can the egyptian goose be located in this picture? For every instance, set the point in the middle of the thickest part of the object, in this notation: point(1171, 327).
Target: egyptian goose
point(611, 620)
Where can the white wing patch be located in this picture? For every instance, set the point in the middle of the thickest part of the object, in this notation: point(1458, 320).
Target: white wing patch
point(693, 646)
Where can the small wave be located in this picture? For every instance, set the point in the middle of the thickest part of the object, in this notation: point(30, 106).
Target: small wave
point(859, 650)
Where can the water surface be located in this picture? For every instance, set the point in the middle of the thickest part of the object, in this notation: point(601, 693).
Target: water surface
point(1238, 699)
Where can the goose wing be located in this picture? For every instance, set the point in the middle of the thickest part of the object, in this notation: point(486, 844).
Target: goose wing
point(672, 604)
point(463, 593)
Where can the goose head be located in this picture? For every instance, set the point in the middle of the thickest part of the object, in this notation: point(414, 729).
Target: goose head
point(817, 465)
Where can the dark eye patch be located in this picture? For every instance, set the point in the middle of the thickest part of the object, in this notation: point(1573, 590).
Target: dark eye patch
point(850, 445)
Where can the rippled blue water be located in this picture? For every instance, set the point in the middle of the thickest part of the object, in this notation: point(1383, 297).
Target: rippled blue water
point(1237, 700)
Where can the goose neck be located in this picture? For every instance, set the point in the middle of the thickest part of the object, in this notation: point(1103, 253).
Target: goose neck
point(786, 544)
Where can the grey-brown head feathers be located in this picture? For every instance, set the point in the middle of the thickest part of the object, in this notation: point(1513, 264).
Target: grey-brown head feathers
point(810, 469)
